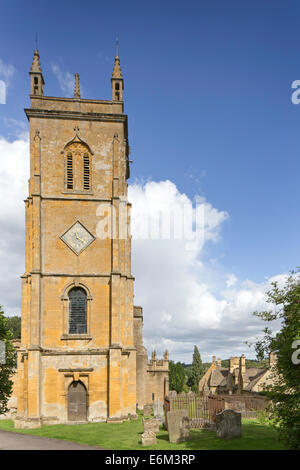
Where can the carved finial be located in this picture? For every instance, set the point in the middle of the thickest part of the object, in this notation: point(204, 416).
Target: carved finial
point(117, 72)
point(166, 355)
point(77, 87)
point(36, 66)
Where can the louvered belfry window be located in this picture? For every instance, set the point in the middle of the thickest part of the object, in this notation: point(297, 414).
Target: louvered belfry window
point(86, 172)
point(77, 311)
point(77, 167)
point(69, 172)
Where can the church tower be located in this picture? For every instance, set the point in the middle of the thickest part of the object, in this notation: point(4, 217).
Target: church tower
point(77, 360)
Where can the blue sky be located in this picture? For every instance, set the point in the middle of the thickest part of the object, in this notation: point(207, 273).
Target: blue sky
point(208, 95)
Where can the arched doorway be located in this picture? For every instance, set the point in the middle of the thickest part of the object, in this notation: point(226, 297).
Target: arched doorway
point(77, 402)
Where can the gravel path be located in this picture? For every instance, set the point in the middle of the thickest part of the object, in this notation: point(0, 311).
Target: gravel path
point(15, 441)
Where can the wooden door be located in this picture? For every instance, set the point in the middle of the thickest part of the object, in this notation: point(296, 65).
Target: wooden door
point(77, 402)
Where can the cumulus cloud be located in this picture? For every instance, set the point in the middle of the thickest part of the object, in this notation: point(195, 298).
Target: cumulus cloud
point(14, 174)
point(187, 298)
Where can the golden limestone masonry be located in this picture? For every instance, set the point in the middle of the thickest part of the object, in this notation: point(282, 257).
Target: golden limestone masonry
point(81, 341)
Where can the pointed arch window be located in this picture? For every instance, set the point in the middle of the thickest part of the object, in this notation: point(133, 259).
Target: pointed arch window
point(77, 311)
point(78, 167)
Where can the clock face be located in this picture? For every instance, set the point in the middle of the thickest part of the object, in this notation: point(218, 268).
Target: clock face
point(77, 238)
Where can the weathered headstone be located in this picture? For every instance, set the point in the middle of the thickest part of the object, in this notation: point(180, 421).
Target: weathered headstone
point(158, 408)
point(147, 410)
point(151, 424)
point(172, 394)
point(149, 438)
point(178, 426)
point(228, 424)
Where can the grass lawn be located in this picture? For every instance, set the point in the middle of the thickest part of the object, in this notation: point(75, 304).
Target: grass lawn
point(127, 436)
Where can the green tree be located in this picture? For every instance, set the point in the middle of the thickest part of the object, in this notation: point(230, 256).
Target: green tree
point(14, 324)
point(176, 377)
point(197, 371)
point(8, 365)
point(285, 393)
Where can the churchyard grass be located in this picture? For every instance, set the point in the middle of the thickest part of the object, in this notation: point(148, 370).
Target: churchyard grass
point(127, 436)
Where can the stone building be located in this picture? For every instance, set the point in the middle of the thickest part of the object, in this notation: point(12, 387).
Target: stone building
point(237, 378)
point(152, 376)
point(77, 360)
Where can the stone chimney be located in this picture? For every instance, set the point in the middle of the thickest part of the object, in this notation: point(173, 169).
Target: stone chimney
point(233, 364)
point(243, 364)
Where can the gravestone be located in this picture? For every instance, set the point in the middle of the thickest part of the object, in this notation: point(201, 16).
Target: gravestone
point(178, 426)
point(149, 438)
point(147, 410)
point(172, 394)
point(228, 424)
point(158, 408)
point(151, 425)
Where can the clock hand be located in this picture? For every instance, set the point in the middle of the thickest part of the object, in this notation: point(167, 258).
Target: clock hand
point(78, 238)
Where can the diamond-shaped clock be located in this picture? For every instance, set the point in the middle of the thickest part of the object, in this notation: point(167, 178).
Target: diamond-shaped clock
point(77, 237)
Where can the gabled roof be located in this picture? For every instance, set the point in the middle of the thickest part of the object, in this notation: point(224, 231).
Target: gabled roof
point(255, 378)
point(218, 375)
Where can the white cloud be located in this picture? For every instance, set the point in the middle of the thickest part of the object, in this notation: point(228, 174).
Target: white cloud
point(14, 173)
point(231, 280)
point(6, 72)
point(65, 79)
point(187, 299)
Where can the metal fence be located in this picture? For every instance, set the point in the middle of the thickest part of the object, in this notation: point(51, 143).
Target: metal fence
point(249, 405)
point(202, 410)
